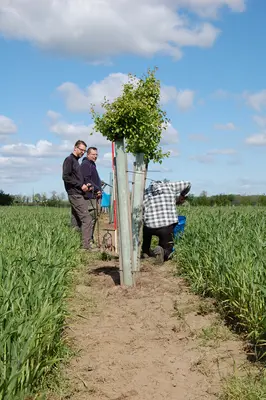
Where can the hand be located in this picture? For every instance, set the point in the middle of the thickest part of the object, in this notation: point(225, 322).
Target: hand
point(84, 188)
point(90, 187)
point(99, 195)
point(181, 199)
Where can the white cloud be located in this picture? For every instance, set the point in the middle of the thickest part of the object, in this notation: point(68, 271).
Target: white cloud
point(22, 170)
point(252, 182)
point(158, 168)
point(79, 100)
point(98, 30)
point(209, 8)
point(222, 151)
point(220, 94)
point(105, 161)
point(257, 100)
point(174, 153)
point(203, 159)
point(43, 148)
point(170, 135)
point(52, 115)
point(260, 121)
point(225, 127)
point(7, 126)
point(198, 138)
point(75, 131)
point(208, 157)
point(62, 128)
point(184, 99)
point(257, 140)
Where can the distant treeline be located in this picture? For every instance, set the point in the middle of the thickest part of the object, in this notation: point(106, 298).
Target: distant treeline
point(227, 200)
point(60, 200)
point(55, 200)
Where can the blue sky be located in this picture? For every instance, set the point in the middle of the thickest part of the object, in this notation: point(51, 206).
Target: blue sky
point(57, 58)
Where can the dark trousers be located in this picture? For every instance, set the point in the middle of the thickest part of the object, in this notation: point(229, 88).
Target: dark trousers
point(165, 235)
point(80, 218)
point(93, 211)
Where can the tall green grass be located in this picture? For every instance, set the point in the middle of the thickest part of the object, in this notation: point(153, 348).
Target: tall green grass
point(223, 255)
point(37, 252)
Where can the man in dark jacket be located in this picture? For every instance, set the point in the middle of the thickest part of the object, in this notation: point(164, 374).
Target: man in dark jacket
point(76, 188)
point(90, 175)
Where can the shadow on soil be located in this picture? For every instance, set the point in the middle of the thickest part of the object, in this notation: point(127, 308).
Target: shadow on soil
point(113, 272)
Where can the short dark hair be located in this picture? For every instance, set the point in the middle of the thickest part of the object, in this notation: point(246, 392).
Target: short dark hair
point(91, 148)
point(80, 142)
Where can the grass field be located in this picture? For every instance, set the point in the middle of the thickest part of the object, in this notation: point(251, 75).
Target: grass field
point(223, 255)
point(38, 252)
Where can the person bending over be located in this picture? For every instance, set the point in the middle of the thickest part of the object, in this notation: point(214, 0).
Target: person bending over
point(160, 216)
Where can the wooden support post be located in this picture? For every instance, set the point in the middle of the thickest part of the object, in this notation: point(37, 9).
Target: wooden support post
point(133, 187)
point(125, 242)
point(137, 213)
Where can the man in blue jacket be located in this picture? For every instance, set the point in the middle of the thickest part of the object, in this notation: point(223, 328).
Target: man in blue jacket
point(90, 175)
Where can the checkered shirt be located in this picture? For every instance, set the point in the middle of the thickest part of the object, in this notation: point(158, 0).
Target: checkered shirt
point(159, 205)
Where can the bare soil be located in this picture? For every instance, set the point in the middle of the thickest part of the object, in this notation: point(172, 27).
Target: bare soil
point(155, 341)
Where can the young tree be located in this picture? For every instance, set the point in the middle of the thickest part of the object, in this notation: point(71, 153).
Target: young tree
point(135, 116)
point(136, 119)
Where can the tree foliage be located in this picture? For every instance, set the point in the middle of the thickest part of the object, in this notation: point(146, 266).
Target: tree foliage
point(135, 116)
point(5, 199)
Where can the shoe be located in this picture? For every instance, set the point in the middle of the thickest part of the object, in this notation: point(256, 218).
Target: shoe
point(93, 249)
point(93, 246)
point(158, 252)
point(144, 255)
point(90, 250)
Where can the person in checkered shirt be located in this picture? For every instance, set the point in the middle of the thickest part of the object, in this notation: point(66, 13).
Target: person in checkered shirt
point(160, 216)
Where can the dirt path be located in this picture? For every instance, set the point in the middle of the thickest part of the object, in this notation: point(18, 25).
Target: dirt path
point(153, 342)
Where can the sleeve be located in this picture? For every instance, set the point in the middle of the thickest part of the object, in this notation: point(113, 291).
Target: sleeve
point(181, 187)
point(89, 176)
point(86, 173)
point(99, 188)
point(67, 173)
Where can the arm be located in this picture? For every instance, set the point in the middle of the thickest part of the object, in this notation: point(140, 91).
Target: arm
point(86, 173)
point(67, 175)
point(181, 188)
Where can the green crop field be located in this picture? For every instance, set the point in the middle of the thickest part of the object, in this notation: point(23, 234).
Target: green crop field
point(38, 252)
point(223, 255)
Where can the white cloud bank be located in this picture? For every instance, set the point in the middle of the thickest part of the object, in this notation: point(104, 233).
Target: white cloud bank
point(256, 100)
point(230, 126)
point(80, 100)
point(258, 139)
point(96, 30)
point(7, 126)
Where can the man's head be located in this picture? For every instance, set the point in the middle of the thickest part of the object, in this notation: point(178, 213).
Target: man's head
point(79, 148)
point(92, 154)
